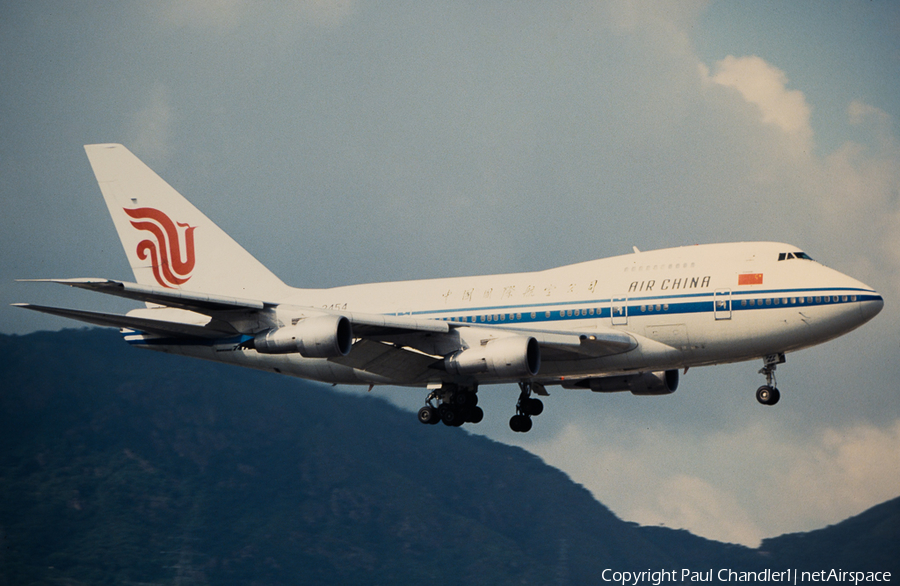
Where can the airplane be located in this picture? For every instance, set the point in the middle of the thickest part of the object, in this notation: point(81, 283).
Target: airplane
point(625, 323)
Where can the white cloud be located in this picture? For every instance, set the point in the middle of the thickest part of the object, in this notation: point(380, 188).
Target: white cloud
point(859, 113)
point(844, 471)
point(689, 502)
point(765, 86)
point(152, 125)
point(857, 189)
point(737, 486)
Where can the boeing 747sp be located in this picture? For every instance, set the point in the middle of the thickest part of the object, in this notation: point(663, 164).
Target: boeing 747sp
point(626, 323)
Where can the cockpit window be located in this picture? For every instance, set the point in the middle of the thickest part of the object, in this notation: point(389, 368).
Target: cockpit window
point(790, 255)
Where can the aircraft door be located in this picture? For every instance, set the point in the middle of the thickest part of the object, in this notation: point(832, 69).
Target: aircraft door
point(722, 304)
point(619, 311)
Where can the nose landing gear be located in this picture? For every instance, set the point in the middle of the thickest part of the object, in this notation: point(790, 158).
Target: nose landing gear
point(768, 394)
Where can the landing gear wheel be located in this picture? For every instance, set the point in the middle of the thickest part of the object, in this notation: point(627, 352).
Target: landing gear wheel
point(428, 415)
point(475, 415)
point(768, 395)
point(533, 407)
point(451, 416)
point(465, 399)
point(520, 423)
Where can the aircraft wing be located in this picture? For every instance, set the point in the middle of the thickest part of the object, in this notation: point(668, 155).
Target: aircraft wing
point(593, 343)
point(231, 316)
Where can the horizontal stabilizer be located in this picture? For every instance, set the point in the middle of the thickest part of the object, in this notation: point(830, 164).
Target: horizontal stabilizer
point(142, 324)
point(201, 302)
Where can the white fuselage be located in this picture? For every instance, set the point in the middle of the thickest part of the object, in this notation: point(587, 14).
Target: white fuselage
point(688, 306)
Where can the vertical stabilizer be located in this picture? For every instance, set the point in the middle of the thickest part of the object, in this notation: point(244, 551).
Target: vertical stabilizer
point(168, 241)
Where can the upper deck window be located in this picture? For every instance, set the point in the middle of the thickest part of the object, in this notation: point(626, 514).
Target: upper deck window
point(790, 255)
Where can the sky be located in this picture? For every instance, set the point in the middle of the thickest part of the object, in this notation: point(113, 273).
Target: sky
point(350, 141)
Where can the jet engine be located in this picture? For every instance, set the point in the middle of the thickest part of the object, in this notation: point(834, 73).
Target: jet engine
point(515, 356)
point(328, 336)
point(645, 383)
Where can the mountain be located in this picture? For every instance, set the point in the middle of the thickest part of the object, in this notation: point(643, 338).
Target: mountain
point(868, 541)
point(122, 466)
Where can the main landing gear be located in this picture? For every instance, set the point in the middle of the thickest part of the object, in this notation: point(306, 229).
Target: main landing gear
point(526, 408)
point(768, 394)
point(453, 405)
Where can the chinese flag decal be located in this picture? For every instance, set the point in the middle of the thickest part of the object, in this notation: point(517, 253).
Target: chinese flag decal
point(750, 279)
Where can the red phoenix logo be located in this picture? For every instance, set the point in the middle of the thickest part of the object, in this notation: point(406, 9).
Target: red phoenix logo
point(165, 249)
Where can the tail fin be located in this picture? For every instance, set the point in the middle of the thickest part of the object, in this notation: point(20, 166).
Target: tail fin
point(168, 241)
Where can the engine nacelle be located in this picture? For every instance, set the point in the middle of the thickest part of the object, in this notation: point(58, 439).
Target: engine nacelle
point(645, 383)
point(514, 356)
point(328, 336)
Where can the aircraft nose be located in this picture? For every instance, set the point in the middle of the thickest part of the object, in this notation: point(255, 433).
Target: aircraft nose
point(871, 305)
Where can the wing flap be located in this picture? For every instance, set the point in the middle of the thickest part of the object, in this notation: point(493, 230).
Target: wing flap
point(388, 361)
